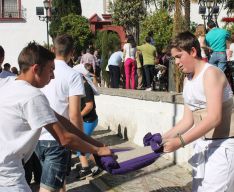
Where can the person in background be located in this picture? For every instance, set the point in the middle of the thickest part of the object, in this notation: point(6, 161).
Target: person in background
point(114, 65)
point(88, 57)
point(90, 121)
point(216, 40)
point(208, 103)
point(231, 50)
point(149, 54)
point(200, 33)
point(139, 61)
point(151, 35)
point(129, 54)
point(6, 71)
point(15, 71)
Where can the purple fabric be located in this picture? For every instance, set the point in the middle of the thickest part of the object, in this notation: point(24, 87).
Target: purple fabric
point(110, 164)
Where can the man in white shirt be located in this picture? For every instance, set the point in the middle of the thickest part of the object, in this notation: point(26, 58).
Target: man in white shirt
point(114, 63)
point(64, 93)
point(24, 110)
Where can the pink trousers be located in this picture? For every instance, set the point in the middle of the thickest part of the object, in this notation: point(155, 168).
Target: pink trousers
point(130, 71)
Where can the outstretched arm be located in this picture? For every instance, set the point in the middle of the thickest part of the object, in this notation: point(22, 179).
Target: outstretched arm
point(73, 141)
point(72, 129)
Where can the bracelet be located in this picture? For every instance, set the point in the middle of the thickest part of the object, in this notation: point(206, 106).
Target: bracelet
point(181, 140)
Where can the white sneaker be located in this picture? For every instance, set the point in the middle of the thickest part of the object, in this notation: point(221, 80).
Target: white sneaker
point(149, 89)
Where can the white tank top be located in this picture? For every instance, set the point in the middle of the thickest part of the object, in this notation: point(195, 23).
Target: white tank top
point(194, 94)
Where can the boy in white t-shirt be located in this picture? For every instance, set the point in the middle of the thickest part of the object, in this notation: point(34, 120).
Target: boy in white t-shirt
point(208, 103)
point(24, 110)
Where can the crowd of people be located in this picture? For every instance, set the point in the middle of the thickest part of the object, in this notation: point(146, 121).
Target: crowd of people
point(52, 110)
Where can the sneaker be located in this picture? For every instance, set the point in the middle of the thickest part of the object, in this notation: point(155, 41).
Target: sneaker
point(148, 89)
point(83, 173)
point(96, 171)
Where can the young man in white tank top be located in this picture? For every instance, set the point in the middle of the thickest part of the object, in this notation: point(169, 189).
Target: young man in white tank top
point(206, 94)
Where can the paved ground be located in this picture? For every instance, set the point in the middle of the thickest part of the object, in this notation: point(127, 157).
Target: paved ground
point(161, 176)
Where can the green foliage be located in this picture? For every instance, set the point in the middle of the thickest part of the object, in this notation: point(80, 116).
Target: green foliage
point(161, 24)
point(230, 28)
point(128, 13)
point(78, 27)
point(106, 41)
point(61, 8)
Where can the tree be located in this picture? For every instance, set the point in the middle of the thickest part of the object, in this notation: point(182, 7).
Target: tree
point(128, 14)
point(161, 23)
point(78, 27)
point(187, 4)
point(61, 8)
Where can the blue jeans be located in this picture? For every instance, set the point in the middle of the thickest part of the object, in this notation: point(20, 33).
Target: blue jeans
point(88, 129)
point(54, 159)
point(219, 59)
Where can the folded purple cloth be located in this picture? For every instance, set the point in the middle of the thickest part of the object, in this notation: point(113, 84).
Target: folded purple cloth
point(109, 163)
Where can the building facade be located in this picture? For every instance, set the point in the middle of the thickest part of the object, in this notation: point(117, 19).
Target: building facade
point(19, 23)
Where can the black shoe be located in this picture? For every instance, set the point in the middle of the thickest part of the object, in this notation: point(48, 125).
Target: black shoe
point(83, 173)
point(96, 171)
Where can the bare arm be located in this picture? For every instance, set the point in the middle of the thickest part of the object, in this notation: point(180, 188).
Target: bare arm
point(72, 129)
point(182, 126)
point(88, 107)
point(74, 142)
point(75, 111)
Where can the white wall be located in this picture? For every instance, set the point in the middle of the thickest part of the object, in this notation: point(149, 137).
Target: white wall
point(15, 35)
point(140, 117)
point(90, 7)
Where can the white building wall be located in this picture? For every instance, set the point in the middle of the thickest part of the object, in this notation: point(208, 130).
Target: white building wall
point(15, 35)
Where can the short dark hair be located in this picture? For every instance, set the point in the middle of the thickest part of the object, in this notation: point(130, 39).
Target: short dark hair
point(148, 39)
point(7, 66)
point(211, 24)
point(64, 45)
point(2, 52)
point(131, 40)
point(34, 53)
point(186, 41)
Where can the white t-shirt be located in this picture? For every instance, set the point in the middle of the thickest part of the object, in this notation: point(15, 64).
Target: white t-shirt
point(67, 83)
point(232, 49)
point(116, 58)
point(24, 110)
point(129, 51)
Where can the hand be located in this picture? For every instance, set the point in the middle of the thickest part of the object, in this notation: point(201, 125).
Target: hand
point(171, 145)
point(104, 151)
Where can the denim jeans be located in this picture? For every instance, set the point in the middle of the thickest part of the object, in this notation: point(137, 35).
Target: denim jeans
point(219, 59)
point(54, 159)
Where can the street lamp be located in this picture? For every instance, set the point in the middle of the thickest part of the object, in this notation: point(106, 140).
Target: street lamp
point(46, 18)
point(212, 10)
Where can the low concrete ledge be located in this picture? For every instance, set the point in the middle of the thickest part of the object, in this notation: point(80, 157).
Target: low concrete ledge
point(134, 113)
point(168, 97)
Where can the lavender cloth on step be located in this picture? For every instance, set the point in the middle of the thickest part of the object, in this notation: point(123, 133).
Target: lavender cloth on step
point(112, 166)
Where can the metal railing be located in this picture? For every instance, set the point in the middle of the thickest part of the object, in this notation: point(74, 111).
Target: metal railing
point(13, 11)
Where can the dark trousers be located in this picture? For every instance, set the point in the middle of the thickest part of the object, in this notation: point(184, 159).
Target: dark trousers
point(33, 166)
point(149, 74)
point(114, 76)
